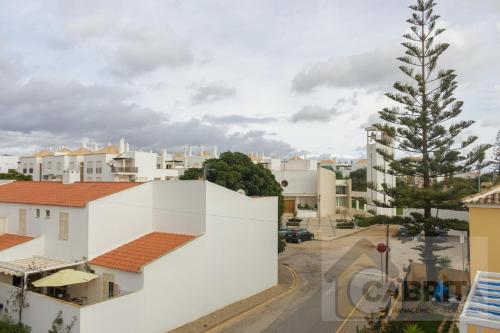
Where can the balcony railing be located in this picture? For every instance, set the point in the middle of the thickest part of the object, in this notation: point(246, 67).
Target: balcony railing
point(124, 169)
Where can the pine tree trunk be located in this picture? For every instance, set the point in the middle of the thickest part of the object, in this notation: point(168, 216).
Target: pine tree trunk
point(429, 255)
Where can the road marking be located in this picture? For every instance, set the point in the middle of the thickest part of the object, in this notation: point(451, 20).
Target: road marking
point(356, 307)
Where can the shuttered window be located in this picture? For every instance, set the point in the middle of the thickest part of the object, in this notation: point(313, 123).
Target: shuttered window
point(63, 226)
point(23, 224)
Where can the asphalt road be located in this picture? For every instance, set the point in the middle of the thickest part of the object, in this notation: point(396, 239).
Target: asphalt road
point(333, 277)
point(316, 305)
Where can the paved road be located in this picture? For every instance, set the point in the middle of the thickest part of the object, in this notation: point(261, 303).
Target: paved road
point(318, 305)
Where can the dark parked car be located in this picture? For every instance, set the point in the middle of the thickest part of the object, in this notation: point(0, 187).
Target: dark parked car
point(299, 235)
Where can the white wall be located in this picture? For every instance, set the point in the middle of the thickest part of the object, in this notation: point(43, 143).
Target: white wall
point(8, 162)
point(75, 248)
point(299, 182)
point(30, 163)
point(179, 206)
point(24, 250)
point(442, 213)
point(106, 175)
point(300, 165)
point(218, 268)
point(119, 218)
point(42, 310)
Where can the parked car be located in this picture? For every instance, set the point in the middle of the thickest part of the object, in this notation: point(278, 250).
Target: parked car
point(299, 235)
point(283, 232)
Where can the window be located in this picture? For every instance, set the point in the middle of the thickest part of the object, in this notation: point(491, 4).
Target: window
point(98, 167)
point(71, 165)
point(47, 214)
point(59, 166)
point(31, 168)
point(25, 169)
point(23, 225)
point(341, 201)
point(341, 190)
point(49, 165)
point(90, 167)
point(63, 226)
point(37, 213)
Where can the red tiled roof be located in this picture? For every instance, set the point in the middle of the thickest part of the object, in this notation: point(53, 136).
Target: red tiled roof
point(132, 256)
point(57, 193)
point(10, 240)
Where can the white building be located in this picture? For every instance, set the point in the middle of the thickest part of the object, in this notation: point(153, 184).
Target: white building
point(113, 163)
point(8, 162)
point(313, 193)
point(376, 177)
point(164, 253)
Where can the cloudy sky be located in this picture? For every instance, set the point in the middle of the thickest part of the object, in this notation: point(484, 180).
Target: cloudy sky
point(272, 76)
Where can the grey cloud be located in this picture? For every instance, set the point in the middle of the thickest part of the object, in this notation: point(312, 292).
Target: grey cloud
point(372, 119)
point(144, 49)
point(235, 119)
point(365, 70)
point(313, 113)
point(63, 112)
point(206, 92)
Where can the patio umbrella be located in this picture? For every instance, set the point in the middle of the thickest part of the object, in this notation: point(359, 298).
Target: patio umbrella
point(65, 277)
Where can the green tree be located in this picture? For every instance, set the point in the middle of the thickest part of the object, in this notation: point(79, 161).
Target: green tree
point(14, 175)
point(236, 171)
point(422, 122)
point(192, 173)
point(358, 178)
point(496, 158)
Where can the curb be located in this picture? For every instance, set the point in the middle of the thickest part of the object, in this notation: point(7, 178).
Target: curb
point(292, 287)
point(349, 234)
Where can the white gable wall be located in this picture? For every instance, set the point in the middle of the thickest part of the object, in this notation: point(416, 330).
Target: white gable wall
point(179, 206)
point(119, 218)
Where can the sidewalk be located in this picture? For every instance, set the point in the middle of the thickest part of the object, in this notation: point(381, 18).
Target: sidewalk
point(287, 280)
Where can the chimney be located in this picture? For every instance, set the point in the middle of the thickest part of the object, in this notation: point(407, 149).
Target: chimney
point(121, 145)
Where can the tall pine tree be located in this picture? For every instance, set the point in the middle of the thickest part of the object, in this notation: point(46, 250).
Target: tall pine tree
point(497, 156)
point(422, 123)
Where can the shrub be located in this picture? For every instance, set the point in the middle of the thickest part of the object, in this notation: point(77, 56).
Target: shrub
point(345, 225)
point(9, 327)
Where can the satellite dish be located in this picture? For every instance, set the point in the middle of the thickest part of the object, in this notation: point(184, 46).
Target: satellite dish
point(241, 191)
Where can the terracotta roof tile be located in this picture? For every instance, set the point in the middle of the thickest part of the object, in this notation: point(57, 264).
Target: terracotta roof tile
point(132, 256)
point(489, 197)
point(57, 193)
point(10, 240)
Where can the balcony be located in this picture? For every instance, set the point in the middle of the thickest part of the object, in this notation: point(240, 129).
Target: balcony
point(127, 169)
